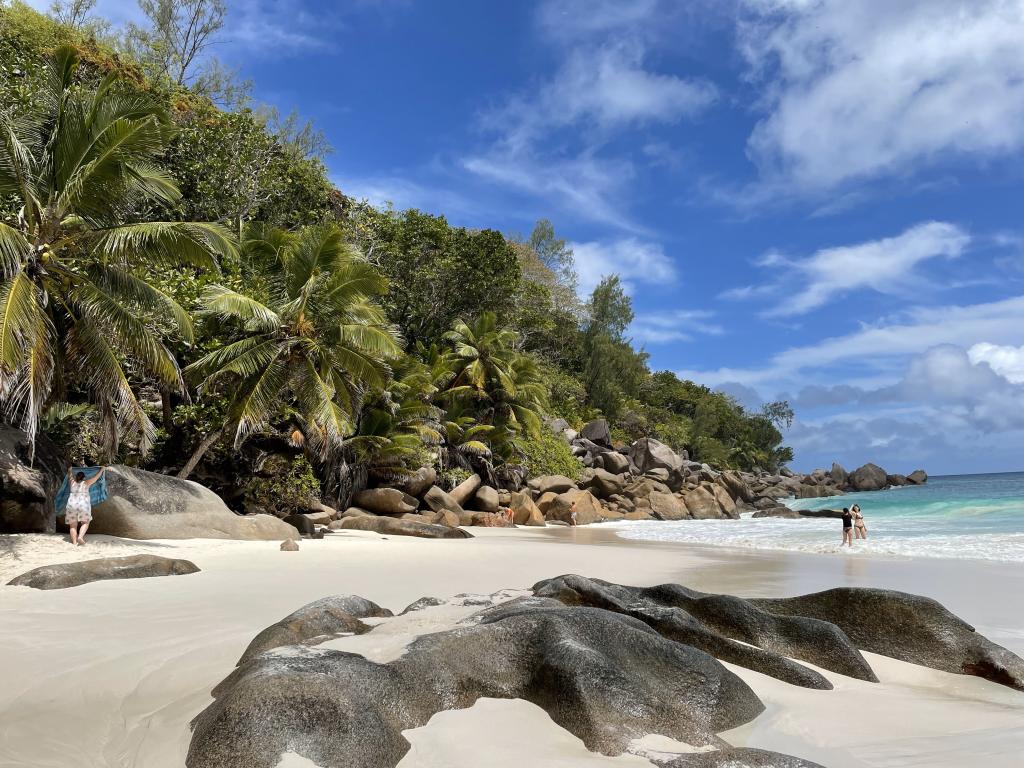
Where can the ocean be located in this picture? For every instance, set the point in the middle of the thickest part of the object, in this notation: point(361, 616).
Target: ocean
point(978, 517)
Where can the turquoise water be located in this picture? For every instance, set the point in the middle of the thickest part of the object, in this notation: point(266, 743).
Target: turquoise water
point(957, 516)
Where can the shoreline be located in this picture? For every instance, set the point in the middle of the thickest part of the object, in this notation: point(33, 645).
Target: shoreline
point(122, 666)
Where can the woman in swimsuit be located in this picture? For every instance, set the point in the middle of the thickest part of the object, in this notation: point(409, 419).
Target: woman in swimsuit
point(860, 531)
point(847, 527)
point(79, 507)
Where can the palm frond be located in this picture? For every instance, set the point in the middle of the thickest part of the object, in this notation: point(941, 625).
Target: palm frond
point(228, 304)
point(256, 397)
point(168, 242)
point(101, 371)
point(122, 284)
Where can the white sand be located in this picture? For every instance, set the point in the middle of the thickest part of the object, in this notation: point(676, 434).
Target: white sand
point(110, 673)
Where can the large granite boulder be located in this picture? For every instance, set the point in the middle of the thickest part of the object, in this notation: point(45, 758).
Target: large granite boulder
point(27, 488)
point(870, 477)
point(464, 491)
point(737, 757)
point(725, 501)
point(485, 499)
point(145, 505)
point(736, 486)
point(524, 511)
point(439, 501)
point(906, 627)
point(729, 628)
point(667, 506)
point(839, 476)
point(398, 527)
point(917, 477)
point(605, 678)
point(703, 504)
point(648, 453)
point(602, 482)
point(597, 432)
point(328, 616)
point(384, 501)
point(588, 508)
point(551, 484)
point(418, 482)
point(615, 462)
point(64, 575)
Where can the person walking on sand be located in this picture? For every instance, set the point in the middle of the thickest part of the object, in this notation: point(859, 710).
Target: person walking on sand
point(860, 530)
point(572, 513)
point(847, 527)
point(79, 508)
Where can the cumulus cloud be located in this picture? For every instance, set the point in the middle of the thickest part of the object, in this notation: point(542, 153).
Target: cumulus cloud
point(1007, 361)
point(633, 260)
point(674, 325)
point(861, 90)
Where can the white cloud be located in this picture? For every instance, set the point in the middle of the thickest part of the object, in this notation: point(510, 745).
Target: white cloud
point(885, 265)
point(860, 90)
point(634, 261)
point(874, 347)
point(674, 325)
point(1007, 361)
point(552, 140)
point(404, 193)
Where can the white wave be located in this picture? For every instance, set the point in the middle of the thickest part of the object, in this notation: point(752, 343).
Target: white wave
point(901, 538)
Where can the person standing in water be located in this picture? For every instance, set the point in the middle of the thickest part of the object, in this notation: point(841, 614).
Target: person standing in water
point(572, 513)
point(860, 530)
point(79, 508)
point(847, 527)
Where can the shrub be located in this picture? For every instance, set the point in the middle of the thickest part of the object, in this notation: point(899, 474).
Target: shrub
point(549, 454)
point(291, 486)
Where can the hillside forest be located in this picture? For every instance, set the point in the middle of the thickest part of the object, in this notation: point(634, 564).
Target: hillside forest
point(184, 290)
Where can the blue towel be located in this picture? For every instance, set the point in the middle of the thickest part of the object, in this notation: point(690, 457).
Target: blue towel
point(97, 491)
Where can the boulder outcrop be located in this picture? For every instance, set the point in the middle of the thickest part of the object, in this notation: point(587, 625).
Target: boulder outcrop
point(146, 505)
point(384, 501)
point(869, 477)
point(524, 511)
point(398, 527)
point(27, 489)
point(329, 616)
point(64, 575)
point(648, 453)
point(464, 491)
point(906, 627)
point(439, 501)
point(604, 677)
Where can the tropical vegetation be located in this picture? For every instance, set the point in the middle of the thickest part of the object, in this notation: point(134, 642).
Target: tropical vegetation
point(182, 287)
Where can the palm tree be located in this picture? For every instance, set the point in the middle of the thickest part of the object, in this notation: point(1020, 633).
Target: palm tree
point(314, 345)
point(501, 386)
point(75, 305)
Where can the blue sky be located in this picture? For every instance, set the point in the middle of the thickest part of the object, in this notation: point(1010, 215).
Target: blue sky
point(815, 199)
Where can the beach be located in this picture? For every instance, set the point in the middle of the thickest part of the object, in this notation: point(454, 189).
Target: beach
point(111, 673)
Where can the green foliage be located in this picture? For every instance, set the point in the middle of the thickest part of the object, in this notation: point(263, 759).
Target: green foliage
point(288, 486)
point(438, 273)
point(549, 454)
point(316, 346)
point(82, 166)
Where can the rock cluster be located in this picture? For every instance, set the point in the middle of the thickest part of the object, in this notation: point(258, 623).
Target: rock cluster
point(609, 663)
point(27, 487)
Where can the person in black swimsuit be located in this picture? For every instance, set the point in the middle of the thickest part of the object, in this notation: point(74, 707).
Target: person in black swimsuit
point(847, 527)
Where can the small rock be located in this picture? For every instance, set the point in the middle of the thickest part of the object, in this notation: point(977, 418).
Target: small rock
point(290, 545)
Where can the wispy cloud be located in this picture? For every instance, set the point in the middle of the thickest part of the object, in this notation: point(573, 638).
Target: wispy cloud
point(554, 139)
point(886, 265)
point(633, 260)
point(875, 347)
point(856, 91)
point(674, 325)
